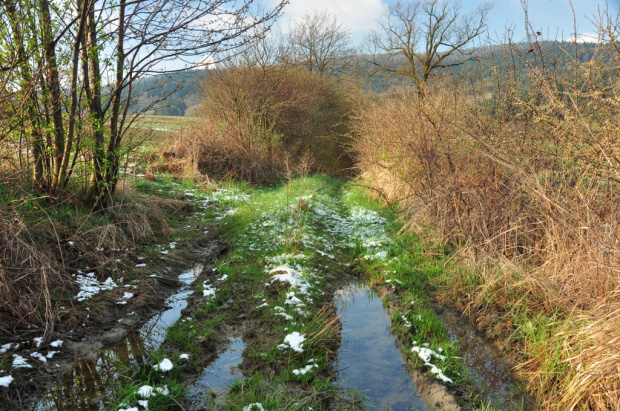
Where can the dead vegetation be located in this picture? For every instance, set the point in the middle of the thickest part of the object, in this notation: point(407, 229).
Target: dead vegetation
point(257, 121)
point(44, 240)
point(520, 174)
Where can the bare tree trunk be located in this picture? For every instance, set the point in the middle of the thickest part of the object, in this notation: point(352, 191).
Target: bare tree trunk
point(55, 98)
point(92, 86)
point(64, 167)
point(31, 123)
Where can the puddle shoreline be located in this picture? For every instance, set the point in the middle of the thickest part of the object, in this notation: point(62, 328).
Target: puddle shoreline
point(369, 360)
point(84, 386)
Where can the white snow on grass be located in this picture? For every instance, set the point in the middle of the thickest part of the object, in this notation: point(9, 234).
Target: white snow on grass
point(291, 275)
point(50, 354)
point(223, 278)
point(38, 356)
point(129, 409)
point(146, 391)
point(294, 341)
point(38, 341)
point(140, 265)
point(20, 362)
point(162, 390)
point(165, 365)
point(89, 286)
point(209, 290)
point(257, 406)
point(144, 404)
point(184, 357)
point(306, 369)
point(426, 354)
point(6, 381)
point(285, 315)
point(4, 348)
point(57, 343)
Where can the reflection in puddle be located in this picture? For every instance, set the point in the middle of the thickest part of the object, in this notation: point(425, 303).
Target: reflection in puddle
point(222, 372)
point(86, 386)
point(496, 383)
point(153, 332)
point(369, 359)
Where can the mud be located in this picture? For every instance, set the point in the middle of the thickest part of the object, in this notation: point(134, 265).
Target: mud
point(100, 323)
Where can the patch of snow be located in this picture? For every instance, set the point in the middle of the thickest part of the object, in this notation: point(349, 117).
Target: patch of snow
point(305, 370)
point(121, 302)
point(4, 348)
point(140, 265)
point(295, 341)
point(209, 290)
point(56, 344)
point(165, 365)
point(257, 406)
point(162, 390)
point(292, 275)
point(38, 341)
point(50, 354)
point(223, 278)
point(89, 286)
point(325, 254)
point(129, 409)
point(6, 381)
point(144, 404)
point(38, 356)
point(20, 362)
point(426, 355)
point(285, 315)
point(146, 391)
point(184, 357)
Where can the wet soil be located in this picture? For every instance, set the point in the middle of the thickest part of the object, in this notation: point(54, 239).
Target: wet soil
point(222, 357)
point(493, 379)
point(100, 323)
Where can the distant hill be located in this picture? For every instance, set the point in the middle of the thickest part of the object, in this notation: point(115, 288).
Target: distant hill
point(169, 94)
point(177, 94)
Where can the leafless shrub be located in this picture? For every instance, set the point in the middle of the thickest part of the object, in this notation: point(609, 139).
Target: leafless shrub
point(523, 177)
point(256, 118)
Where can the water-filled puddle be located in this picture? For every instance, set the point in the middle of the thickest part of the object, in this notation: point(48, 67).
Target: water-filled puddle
point(369, 360)
point(220, 374)
point(85, 387)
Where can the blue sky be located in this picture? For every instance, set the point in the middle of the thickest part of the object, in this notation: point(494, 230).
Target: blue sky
point(552, 17)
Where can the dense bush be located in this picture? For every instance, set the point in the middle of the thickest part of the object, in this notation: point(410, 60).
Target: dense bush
point(259, 121)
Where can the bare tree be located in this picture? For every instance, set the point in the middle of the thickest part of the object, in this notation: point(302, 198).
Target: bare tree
point(419, 37)
point(77, 64)
point(320, 44)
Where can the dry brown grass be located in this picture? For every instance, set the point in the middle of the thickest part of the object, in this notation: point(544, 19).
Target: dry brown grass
point(36, 258)
point(528, 193)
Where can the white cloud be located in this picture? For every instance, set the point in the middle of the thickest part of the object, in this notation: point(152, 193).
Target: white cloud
point(586, 38)
point(358, 15)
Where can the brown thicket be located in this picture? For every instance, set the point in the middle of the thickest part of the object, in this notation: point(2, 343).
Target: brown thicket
point(261, 120)
point(521, 173)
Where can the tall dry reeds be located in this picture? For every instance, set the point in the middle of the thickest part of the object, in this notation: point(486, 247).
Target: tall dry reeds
point(521, 173)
